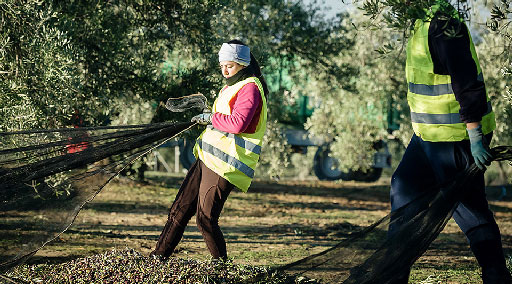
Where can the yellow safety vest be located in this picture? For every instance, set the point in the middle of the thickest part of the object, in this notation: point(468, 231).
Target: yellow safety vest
point(232, 156)
point(434, 109)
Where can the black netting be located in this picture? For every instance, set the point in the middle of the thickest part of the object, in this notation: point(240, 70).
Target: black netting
point(383, 252)
point(46, 177)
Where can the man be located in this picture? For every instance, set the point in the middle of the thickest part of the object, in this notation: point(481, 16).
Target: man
point(453, 122)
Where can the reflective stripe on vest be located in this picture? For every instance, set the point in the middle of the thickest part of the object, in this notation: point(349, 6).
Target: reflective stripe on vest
point(435, 90)
point(226, 158)
point(441, 118)
point(232, 156)
point(239, 141)
point(434, 109)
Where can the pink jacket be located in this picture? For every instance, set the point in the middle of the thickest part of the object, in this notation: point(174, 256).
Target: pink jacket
point(245, 111)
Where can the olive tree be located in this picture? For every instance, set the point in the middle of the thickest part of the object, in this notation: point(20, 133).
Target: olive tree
point(40, 82)
point(113, 61)
point(356, 111)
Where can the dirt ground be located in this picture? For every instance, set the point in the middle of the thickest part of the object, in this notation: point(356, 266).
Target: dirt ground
point(274, 223)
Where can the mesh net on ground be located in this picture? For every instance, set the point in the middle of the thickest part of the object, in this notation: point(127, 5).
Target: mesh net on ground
point(47, 176)
point(376, 255)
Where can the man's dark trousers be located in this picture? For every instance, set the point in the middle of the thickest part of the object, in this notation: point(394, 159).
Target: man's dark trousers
point(428, 164)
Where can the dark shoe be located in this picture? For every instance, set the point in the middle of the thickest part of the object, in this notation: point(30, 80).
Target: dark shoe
point(222, 260)
point(403, 279)
point(157, 257)
point(496, 275)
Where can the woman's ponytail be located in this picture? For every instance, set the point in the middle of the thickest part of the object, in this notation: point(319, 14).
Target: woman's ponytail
point(257, 73)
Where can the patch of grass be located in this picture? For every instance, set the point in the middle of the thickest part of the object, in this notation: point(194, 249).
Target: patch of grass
point(253, 256)
point(447, 275)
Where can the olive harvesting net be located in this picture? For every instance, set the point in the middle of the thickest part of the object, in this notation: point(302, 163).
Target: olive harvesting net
point(383, 252)
point(48, 175)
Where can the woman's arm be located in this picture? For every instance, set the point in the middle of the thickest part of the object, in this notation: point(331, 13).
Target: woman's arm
point(244, 107)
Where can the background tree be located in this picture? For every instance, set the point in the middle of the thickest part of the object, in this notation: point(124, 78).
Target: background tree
point(356, 112)
point(500, 21)
point(39, 78)
point(494, 53)
point(113, 61)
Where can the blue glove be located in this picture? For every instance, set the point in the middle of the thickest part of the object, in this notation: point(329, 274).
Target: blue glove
point(203, 118)
point(479, 148)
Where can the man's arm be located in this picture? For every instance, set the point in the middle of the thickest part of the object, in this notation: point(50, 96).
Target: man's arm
point(451, 55)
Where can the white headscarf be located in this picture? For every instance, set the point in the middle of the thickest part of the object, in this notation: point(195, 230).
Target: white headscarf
point(238, 53)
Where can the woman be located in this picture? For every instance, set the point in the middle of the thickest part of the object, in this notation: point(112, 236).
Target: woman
point(227, 152)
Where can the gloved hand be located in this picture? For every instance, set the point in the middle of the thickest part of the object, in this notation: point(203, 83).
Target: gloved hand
point(479, 148)
point(203, 118)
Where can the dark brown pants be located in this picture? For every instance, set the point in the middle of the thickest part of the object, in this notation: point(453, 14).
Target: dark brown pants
point(203, 192)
